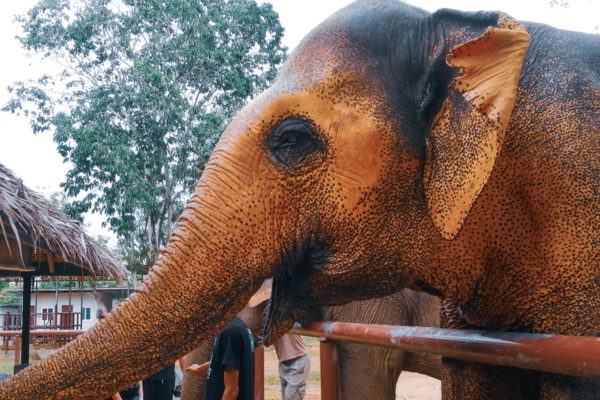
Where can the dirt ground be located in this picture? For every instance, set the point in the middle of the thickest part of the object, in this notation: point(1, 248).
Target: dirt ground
point(410, 385)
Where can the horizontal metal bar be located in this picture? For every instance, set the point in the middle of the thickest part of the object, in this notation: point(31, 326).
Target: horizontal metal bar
point(569, 355)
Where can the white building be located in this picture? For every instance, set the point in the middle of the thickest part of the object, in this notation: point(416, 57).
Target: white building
point(75, 309)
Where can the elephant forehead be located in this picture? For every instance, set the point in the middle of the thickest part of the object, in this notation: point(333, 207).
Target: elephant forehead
point(338, 99)
point(321, 56)
point(340, 96)
point(326, 68)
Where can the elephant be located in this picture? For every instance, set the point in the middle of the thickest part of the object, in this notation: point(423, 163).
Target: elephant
point(364, 372)
point(453, 153)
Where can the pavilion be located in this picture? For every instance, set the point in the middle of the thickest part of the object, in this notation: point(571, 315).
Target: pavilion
point(36, 239)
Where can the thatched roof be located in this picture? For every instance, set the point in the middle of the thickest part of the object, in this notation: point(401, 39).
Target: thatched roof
point(34, 223)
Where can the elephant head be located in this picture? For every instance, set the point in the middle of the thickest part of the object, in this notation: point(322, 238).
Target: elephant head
point(385, 126)
point(356, 174)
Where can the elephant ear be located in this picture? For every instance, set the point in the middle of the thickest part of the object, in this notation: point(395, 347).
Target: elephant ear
point(468, 132)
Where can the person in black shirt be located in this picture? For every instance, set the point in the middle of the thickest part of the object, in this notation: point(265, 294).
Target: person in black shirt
point(230, 371)
point(160, 385)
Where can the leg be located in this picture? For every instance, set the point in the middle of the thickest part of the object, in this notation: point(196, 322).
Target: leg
point(149, 390)
point(562, 387)
point(295, 374)
point(463, 380)
point(368, 372)
point(282, 380)
point(165, 390)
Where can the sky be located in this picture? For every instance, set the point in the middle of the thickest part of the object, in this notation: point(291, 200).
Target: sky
point(35, 160)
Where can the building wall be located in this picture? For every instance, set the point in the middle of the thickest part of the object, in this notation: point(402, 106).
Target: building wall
point(47, 300)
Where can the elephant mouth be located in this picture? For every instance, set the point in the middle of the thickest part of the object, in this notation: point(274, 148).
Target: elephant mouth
point(291, 299)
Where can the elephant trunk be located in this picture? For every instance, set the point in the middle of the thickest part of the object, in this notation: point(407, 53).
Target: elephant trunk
point(194, 289)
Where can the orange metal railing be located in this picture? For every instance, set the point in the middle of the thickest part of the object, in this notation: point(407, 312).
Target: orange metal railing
point(568, 355)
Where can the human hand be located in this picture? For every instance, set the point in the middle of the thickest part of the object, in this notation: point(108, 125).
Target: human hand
point(198, 369)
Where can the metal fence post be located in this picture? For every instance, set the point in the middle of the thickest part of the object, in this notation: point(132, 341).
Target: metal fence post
point(17, 347)
point(329, 377)
point(259, 373)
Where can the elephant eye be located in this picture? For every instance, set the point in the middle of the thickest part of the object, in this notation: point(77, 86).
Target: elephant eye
point(294, 142)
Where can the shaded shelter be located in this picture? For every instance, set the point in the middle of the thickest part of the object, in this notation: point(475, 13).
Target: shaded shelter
point(36, 239)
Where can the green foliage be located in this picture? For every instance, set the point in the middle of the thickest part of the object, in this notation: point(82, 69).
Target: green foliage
point(145, 90)
point(72, 209)
point(75, 286)
point(61, 284)
point(5, 296)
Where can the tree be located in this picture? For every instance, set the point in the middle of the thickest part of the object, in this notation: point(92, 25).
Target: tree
point(559, 3)
point(144, 90)
point(62, 203)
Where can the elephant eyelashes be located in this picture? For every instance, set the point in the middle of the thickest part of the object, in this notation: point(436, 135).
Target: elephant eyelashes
point(294, 142)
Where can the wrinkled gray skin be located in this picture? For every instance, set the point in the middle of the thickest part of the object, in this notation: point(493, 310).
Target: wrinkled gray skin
point(371, 372)
point(365, 372)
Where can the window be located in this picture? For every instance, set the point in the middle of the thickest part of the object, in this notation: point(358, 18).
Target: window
point(85, 313)
point(47, 314)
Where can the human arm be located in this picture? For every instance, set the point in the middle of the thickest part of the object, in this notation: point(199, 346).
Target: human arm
point(231, 378)
point(198, 369)
point(231, 341)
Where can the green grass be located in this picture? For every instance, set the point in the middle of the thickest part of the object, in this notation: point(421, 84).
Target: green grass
point(314, 377)
point(272, 380)
point(6, 365)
